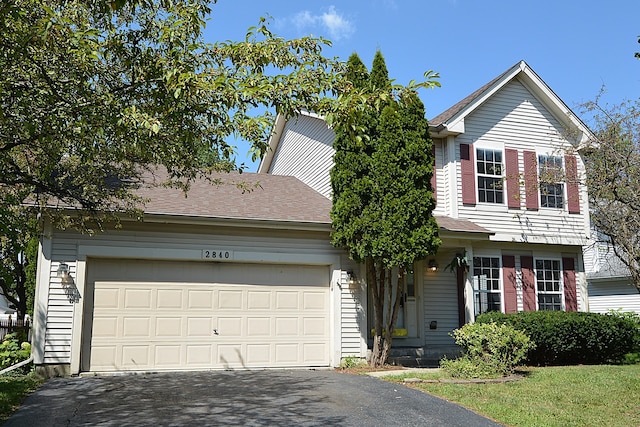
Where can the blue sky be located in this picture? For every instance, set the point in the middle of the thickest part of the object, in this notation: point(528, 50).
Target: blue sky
point(576, 47)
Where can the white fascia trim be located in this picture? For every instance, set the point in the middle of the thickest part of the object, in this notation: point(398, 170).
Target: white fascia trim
point(274, 141)
point(456, 124)
point(152, 217)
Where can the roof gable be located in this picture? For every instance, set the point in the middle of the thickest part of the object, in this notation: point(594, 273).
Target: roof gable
point(452, 121)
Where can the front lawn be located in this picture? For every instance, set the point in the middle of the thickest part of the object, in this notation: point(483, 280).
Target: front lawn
point(13, 390)
point(552, 396)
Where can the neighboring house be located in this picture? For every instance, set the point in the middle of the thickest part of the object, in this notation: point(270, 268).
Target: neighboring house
point(223, 279)
point(523, 238)
point(610, 286)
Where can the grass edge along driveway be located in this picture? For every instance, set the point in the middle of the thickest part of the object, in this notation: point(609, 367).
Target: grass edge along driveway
point(598, 395)
point(13, 390)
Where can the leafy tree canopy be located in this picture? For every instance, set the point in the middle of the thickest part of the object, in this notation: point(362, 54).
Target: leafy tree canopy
point(613, 180)
point(92, 92)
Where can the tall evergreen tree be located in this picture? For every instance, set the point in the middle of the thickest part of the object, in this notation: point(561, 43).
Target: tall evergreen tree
point(382, 207)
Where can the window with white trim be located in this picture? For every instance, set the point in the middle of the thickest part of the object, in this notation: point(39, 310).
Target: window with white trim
point(551, 174)
point(549, 284)
point(487, 284)
point(489, 171)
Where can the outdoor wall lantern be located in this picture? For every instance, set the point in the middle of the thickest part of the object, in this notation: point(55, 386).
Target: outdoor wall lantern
point(433, 265)
point(351, 277)
point(63, 270)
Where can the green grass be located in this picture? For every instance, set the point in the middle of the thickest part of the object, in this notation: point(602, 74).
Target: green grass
point(553, 396)
point(13, 390)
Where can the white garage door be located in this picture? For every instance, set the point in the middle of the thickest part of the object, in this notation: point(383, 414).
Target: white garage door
point(150, 315)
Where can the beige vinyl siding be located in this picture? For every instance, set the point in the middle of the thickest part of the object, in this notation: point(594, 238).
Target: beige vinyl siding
point(352, 312)
point(60, 305)
point(613, 294)
point(515, 118)
point(306, 152)
point(440, 303)
point(442, 181)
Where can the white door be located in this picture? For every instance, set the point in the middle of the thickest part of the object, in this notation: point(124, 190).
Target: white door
point(150, 315)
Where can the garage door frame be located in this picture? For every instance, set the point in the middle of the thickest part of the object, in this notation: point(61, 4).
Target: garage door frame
point(241, 254)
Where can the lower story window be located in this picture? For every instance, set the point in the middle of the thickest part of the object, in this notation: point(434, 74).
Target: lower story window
point(549, 284)
point(486, 284)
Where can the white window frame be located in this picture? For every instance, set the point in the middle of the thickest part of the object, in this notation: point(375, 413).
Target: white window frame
point(561, 182)
point(495, 148)
point(477, 283)
point(560, 291)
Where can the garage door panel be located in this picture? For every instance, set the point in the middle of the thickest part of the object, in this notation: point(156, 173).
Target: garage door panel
point(258, 326)
point(136, 327)
point(314, 301)
point(105, 327)
point(169, 299)
point(135, 356)
point(200, 299)
point(154, 325)
point(258, 300)
point(107, 298)
point(230, 327)
point(199, 326)
point(199, 355)
point(137, 298)
point(230, 299)
point(168, 355)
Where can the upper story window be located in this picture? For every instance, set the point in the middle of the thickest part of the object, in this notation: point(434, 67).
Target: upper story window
point(490, 179)
point(487, 289)
point(551, 176)
point(549, 284)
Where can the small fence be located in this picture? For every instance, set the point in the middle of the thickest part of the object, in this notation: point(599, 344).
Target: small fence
point(22, 328)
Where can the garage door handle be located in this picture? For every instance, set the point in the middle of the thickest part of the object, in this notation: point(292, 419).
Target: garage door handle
point(215, 332)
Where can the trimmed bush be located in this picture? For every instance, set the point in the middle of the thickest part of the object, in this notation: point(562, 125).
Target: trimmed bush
point(571, 338)
point(13, 351)
point(489, 350)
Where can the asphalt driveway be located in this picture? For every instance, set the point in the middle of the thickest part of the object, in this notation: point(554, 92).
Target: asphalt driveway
point(237, 398)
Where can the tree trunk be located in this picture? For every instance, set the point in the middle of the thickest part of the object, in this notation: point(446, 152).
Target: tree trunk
point(383, 337)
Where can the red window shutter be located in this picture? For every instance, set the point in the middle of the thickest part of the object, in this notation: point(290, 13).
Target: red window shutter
point(528, 284)
point(531, 179)
point(433, 177)
point(573, 194)
point(509, 281)
point(468, 175)
point(569, 281)
point(512, 170)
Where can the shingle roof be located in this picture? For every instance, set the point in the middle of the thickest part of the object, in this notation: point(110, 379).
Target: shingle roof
point(456, 108)
point(269, 198)
point(460, 225)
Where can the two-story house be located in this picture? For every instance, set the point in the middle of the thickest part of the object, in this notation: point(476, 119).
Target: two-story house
point(222, 278)
point(510, 198)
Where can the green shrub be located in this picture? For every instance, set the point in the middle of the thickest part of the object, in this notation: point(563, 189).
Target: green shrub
point(571, 338)
point(351, 362)
point(489, 350)
point(467, 368)
point(12, 351)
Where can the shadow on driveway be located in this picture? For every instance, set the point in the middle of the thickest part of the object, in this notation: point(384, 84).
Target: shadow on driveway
point(237, 398)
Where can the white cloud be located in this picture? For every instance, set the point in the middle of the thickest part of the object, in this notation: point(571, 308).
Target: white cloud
point(337, 26)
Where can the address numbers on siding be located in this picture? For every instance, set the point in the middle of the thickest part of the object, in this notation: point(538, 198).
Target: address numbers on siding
point(217, 254)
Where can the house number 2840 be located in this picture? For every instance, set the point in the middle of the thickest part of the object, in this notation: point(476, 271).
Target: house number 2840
point(217, 254)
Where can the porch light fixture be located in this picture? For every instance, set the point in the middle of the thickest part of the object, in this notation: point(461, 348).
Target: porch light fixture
point(351, 278)
point(433, 265)
point(63, 270)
